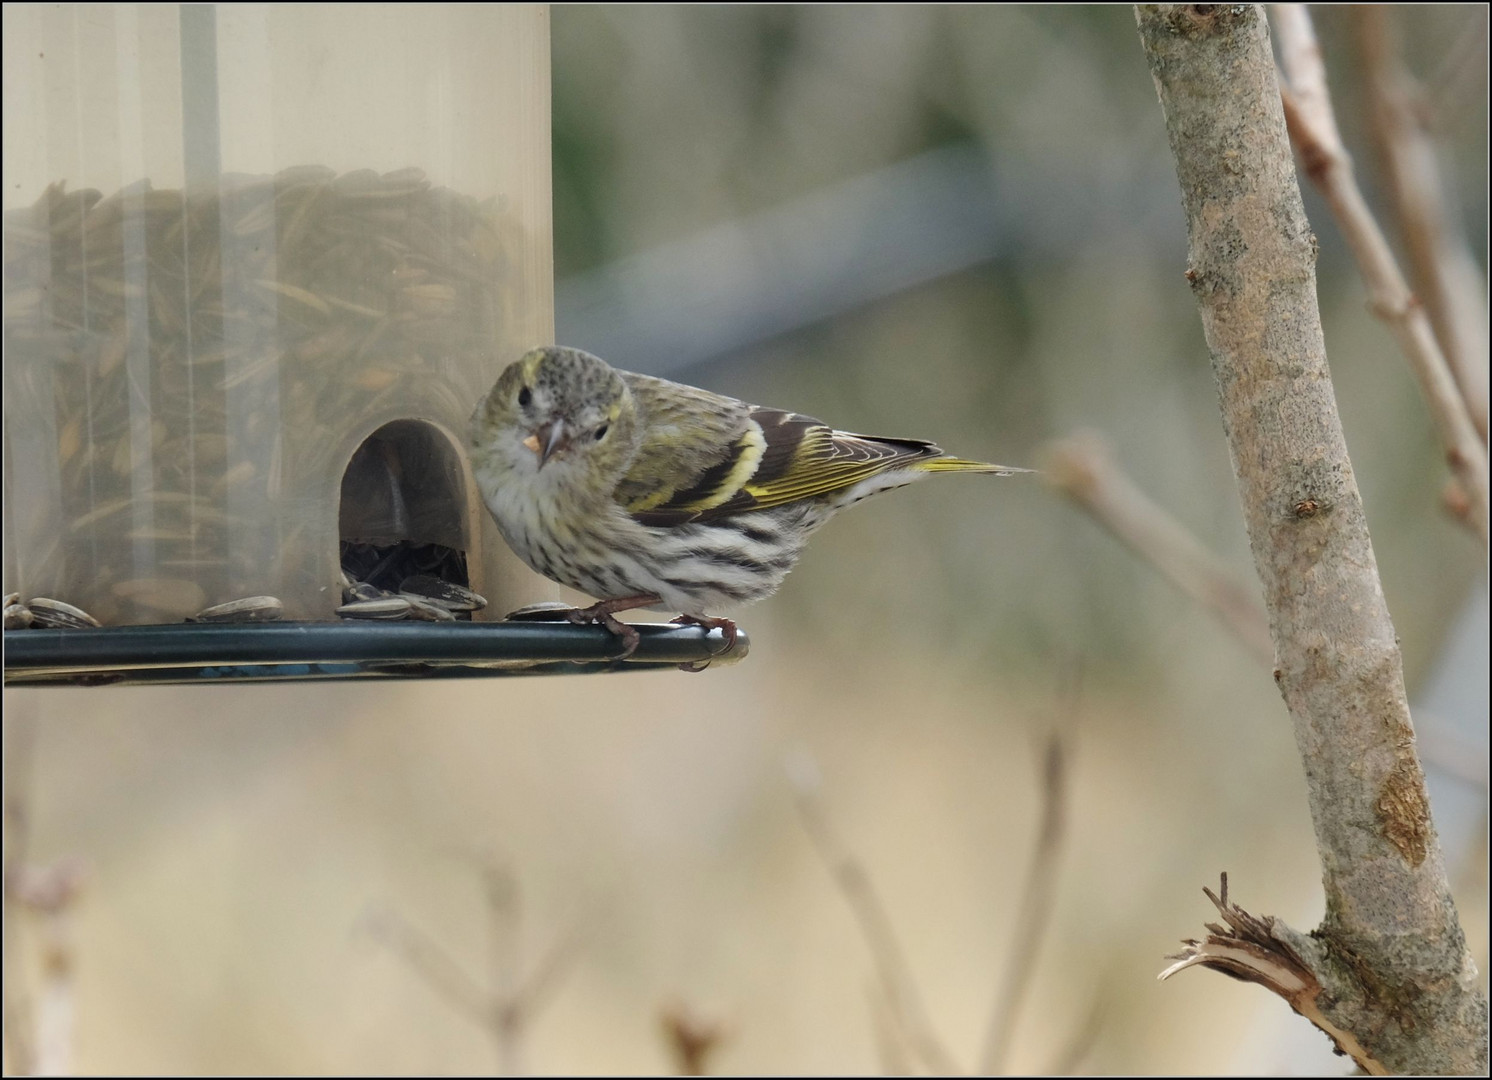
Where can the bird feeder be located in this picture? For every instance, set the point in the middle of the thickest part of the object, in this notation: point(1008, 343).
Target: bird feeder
point(260, 263)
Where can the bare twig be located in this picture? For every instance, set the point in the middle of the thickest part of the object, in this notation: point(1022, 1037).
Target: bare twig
point(39, 1029)
point(532, 994)
point(692, 1036)
point(891, 1040)
point(430, 962)
point(506, 1010)
point(1461, 75)
point(854, 882)
point(1039, 899)
point(503, 917)
point(1083, 470)
point(516, 998)
point(51, 892)
point(1390, 955)
point(1445, 275)
point(1266, 951)
point(1313, 129)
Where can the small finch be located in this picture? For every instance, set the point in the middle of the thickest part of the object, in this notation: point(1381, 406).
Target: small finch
point(646, 493)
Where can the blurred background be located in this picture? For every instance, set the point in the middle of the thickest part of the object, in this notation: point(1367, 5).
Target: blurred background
point(959, 224)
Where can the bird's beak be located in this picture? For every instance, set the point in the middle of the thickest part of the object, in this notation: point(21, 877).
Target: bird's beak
point(550, 438)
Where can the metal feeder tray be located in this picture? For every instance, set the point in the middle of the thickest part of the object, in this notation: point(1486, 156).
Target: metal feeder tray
point(184, 653)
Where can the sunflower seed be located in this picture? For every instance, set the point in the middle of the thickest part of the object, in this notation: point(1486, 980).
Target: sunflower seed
point(361, 590)
point(394, 607)
point(249, 609)
point(55, 615)
point(446, 594)
point(543, 611)
point(17, 616)
point(299, 295)
point(109, 509)
point(428, 611)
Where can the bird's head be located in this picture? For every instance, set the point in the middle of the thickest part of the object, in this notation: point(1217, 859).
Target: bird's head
point(561, 417)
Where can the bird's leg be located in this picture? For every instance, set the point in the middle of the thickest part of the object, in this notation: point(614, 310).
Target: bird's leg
point(726, 627)
point(601, 612)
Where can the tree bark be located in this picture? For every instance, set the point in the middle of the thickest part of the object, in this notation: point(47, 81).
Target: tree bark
point(1390, 958)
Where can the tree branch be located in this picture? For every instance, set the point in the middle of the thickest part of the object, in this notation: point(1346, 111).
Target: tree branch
point(1313, 128)
point(1445, 275)
point(1267, 952)
point(1393, 963)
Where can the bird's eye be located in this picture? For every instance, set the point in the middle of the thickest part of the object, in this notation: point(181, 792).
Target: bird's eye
point(524, 397)
point(601, 432)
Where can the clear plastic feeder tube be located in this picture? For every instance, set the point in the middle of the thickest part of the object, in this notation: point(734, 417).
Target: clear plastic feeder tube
point(260, 263)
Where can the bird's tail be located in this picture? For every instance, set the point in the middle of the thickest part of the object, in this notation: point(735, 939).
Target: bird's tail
point(953, 464)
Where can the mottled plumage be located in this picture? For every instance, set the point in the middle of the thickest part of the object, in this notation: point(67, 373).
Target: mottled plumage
point(632, 488)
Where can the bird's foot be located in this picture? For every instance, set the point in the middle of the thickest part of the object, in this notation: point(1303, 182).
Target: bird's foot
point(726, 627)
point(602, 612)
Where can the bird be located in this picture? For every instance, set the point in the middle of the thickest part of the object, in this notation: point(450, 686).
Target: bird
point(651, 494)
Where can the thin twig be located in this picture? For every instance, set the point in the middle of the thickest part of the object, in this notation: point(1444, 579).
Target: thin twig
point(1082, 468)
point(1445, 275)
point(534, 991)
point(505, 1011)
point(1039, 898)
point(891, 1040)
point(1461, 77)
point(1313, 130)
point(430, 962)
point(52, 892)
point(39, 1029)
point(692, 1036)
point(854, 882)
point(504, 914)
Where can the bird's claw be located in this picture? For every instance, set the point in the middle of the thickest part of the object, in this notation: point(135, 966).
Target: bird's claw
point(629, 635)
point(727, 630)
point(600, 613)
